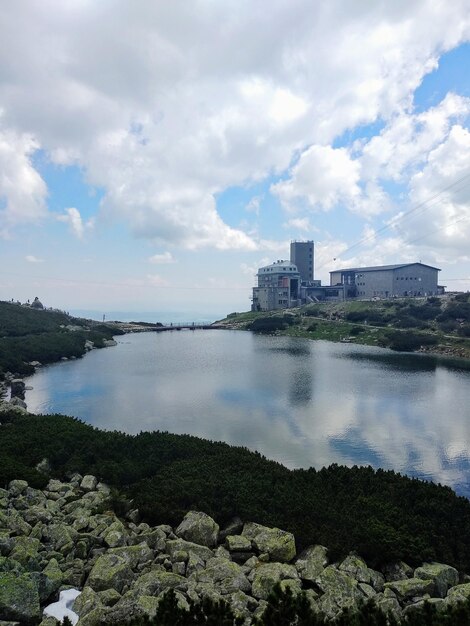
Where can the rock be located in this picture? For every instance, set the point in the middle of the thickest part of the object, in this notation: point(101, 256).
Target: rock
point(87, 601)
point(340, 591)
point(109, 343)
point(198, 528)
point(457, 594)
point(133, 555)
point(173, 546)
point(410, 588)
point(312, 562)
point(226, 577)
point(154, 583)
point(110, 571)
point(109, 597)
point(89, 483)
point(267, 575)
point(357, 568)
point(278, 544)
point(444, 576)
point(234, 527)
point(438, 603)
point(19, 598)
point(397, 571)
point(17, 487)
point(155, 539)
point(18, 402)
point(237, 543)
point(17, 388)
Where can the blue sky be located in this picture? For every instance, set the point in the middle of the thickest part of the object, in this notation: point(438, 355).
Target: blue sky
point(150, 162)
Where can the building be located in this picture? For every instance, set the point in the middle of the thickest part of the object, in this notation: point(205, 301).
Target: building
point(278, 287)
point(301, 255)
point(387, 281)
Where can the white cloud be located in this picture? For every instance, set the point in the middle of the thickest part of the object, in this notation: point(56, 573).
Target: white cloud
point(33, 259)
point(23, 192)
point(78, 227)
point(162, 259)
point(164, 105)
point(322, 178)
point(299, 224)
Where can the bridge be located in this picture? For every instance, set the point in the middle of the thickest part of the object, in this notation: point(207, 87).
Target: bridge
point(186, 326)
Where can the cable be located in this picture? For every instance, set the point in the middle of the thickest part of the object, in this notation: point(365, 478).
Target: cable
point(400, 218)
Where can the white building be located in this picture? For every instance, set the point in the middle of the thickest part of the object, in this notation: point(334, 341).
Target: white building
point(278, 287)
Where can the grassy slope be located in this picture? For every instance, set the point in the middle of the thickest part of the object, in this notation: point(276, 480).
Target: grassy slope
point(329, 321)
point(40, 335)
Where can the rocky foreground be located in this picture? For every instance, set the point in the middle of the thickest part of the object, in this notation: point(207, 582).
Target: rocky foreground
point(67, 536)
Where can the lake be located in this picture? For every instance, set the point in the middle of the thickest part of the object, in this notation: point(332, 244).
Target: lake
point(303, 403)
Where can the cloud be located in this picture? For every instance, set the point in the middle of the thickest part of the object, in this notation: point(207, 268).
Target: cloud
point(33, 259)
point(76, 224)
point(322, 178)
point(161, 259)
point(154, 105)
point(23, 192)
point(299, 224)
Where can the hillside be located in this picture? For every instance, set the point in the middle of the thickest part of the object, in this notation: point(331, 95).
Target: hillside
point(28, 335)
point(440, 325)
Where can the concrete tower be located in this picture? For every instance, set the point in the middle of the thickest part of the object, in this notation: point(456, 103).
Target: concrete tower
point(301, 255)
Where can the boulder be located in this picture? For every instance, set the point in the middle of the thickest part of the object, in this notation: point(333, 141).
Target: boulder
point(237, 543)
point(154, 583)
point(278, 544)
point(175, 546)
point(340, 591)
point(110, 571)
point(410, 588)
point(266, 575)
point(198, 528)
point(133, 555)
point(87, 601)
point(89, 483)
point(443, 576)
point(19, 598)
point(397, 571)
point(225, 576)
point(17, 487)
point(312, 562)
point(457, 594)
point(357, 568)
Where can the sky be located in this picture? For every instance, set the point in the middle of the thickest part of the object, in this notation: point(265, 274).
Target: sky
point(154, 154)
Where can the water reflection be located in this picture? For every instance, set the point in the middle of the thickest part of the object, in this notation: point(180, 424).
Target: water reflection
point(302, 403)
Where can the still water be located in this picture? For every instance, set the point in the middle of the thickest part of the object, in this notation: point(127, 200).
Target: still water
point(303, 403)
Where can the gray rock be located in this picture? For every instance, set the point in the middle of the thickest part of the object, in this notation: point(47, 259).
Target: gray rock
point(444, 576)
point(110, 571)
point(312, 562)
point(17, 487)
point(266, 575)
point(457, 594)
point(19, 598)
point(175, 546)
point(237, 543)
point(410, 588)
point(397, 571)
point(198, 528)
point(234, 527)
point(154, 583)
point(340, 591)
point(225, 576)
point(278, 544)
point(89, 483)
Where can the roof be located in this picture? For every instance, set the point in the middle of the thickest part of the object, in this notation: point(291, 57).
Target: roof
point(378, 268)
point(279, 267)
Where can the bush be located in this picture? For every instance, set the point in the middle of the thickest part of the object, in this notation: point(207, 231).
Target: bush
point(268, 324)
point(312, 327)
point(407, 341)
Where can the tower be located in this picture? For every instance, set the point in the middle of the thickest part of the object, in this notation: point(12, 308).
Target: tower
point(301, 255)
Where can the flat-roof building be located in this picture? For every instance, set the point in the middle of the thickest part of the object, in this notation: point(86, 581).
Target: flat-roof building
point(278, 287)
point(388, 281)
